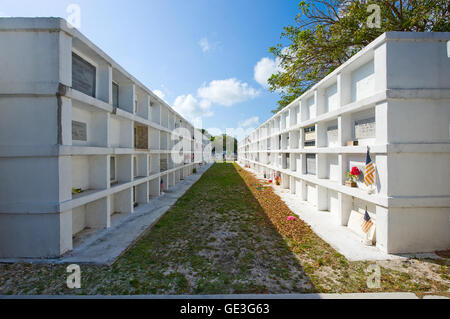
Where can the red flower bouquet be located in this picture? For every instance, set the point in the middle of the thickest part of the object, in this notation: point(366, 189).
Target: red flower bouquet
point(355, 171)
point(352, 176)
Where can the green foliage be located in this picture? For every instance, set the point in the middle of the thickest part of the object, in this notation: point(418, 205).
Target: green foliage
point(224, 141)
point(326, 33)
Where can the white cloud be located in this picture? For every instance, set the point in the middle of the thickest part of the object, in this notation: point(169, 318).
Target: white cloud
point(207, 45)
point(204, 44)
point(243, 129)
point(239, 132)
point(226, 92)
point(159, 93)
point(264, 70)
point(254, 120)
point(190, 108)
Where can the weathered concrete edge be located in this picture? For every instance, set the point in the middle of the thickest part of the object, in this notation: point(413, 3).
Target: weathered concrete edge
point(388, 295)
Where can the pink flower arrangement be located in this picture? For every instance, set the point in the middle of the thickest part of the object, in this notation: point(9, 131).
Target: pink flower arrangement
point(291, 218)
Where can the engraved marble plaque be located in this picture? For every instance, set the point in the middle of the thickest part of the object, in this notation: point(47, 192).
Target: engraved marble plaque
point(365, 128)
point(79, 131)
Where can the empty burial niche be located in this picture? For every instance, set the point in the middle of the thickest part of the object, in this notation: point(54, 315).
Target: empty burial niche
point(154, 164)
point(155, 112)
point(89, 218)
point(89, 128)
point(163, 163)
point(356, 217)
point(88, 174)
point(333, 202)
point(311, 194)
point(121, 204)
point(153, 188)
point(164, 141)
point(171, 179)
point(164, 183)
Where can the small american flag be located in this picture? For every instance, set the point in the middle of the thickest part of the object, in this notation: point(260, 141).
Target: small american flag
point(367, 223)
point(369, 173)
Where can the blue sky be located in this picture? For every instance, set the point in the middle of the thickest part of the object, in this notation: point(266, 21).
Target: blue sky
point(199, 55)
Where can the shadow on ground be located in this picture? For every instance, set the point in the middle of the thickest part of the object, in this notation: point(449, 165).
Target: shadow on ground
point(228, 234)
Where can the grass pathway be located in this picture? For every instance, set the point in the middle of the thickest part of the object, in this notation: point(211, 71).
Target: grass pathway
point(227, 234)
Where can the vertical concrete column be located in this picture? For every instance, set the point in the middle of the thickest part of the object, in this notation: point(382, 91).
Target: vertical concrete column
point(342, 176)
point(344, 88)
point(65, 124)
point(380, 68)
point(65, 58)
point(304, 193)
point(381, 123)
point(382, 230)
point(322, 198)
point(65, 232)
point(104, 85)
point(344, 129)
point(292, 184)
point(345, 208)
point(293, 162)
point(98, 213)
point(321, 166)
point(381, 173)
point(285, 181)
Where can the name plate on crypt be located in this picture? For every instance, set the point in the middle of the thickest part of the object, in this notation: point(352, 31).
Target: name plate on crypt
point(365, 128)
point(79, 131)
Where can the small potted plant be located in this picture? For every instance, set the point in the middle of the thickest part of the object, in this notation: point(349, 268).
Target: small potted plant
point(278, 180)
point(352, 177)
point(265, 175)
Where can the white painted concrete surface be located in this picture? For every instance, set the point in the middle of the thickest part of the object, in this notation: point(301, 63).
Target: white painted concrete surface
point(393, 96)
point(54, 138)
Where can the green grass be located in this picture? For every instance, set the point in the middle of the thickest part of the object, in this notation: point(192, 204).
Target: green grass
point(217, 238)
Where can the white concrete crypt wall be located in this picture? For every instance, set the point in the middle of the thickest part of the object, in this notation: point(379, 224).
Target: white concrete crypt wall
point(55, 138)
point(400, 84)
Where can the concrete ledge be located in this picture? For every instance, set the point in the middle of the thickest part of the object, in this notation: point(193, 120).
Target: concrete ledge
point(383, 295)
